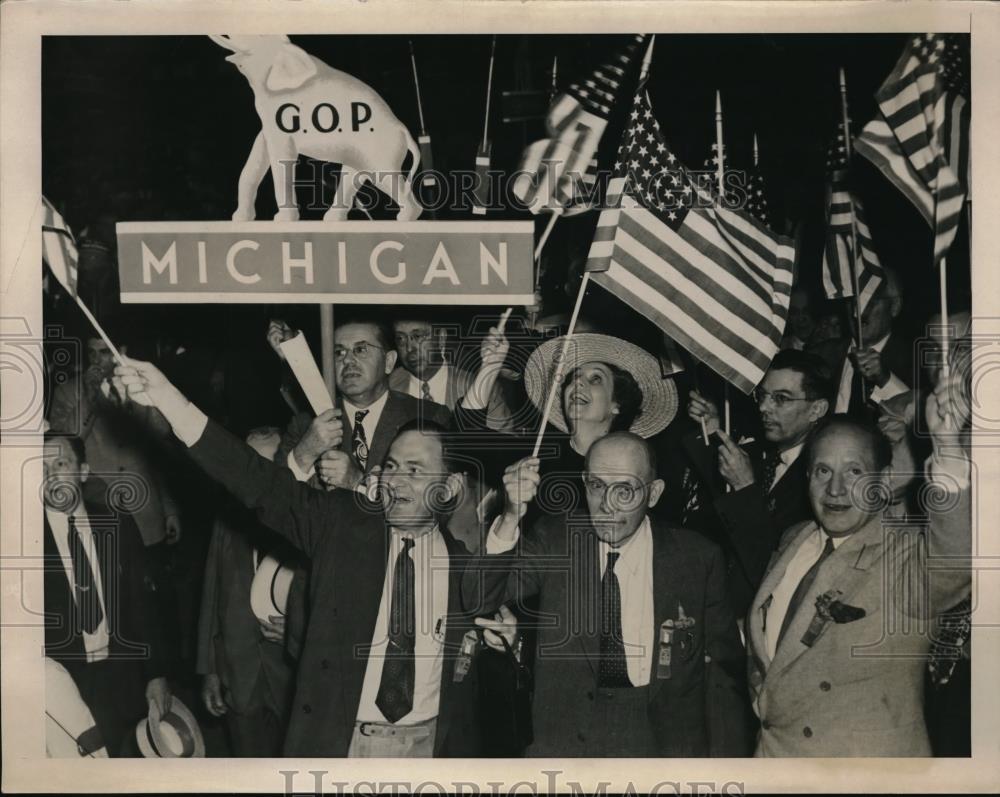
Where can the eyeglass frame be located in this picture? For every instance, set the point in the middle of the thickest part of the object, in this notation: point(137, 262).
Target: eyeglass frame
point(354, 350)
point(608, 487)
point(779, 400)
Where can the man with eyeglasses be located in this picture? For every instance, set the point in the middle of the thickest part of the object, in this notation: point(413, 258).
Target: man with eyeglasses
point(430, 368)
point(763, 485)
point(638, 653)
point(390, 660)
point(343, 444)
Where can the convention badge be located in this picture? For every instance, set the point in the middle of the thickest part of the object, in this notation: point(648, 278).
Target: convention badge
point(685, 638)
point(821, 619)
point(666, 648)
point(467, 650)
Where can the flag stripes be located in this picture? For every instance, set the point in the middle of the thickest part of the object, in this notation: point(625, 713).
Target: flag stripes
point(59, 247)
point(715, 280)
point(920, 139)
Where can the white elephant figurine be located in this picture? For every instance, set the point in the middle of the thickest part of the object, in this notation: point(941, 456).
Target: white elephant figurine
point(310, 108)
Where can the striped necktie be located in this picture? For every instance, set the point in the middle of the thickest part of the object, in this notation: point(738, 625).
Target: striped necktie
point(359, 441)
point(88, 602)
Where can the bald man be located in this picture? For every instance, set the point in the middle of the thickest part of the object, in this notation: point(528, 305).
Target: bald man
point(638, 653)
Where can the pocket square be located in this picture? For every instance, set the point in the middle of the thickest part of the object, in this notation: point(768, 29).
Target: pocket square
point(845, 613)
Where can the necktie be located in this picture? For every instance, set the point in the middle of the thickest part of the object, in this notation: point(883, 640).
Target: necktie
point(88, 602)
point(359, 441)
point(613, 670)
point(802, 590)
point(861, 390)
point(425, 391)
point(771, 461)
point(395, 690)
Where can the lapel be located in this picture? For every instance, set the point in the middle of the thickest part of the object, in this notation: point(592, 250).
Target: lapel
point(668, 580)
point(845, 569)
point(393, 416)
point(771, 580)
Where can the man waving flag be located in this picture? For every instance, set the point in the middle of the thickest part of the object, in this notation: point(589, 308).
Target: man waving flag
point(920, 139)
point(716, 280)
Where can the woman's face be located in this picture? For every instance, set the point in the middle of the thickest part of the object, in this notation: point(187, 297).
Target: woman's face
point(588, 395)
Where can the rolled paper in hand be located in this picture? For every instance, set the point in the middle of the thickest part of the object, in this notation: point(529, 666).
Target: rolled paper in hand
point(303, 365)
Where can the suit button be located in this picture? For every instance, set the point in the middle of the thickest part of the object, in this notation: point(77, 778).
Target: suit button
point(824, 685)
point(766, 725)
point(590, 695)
point(807, 731)
point(325, 664)
point(307, 708)
point(581, 737)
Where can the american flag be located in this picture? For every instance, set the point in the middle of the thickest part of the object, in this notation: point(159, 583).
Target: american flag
point(559, 174)
point(750, 183)
point(920, 139)
point(716, 280)
point(843, 209)
point(59, 247)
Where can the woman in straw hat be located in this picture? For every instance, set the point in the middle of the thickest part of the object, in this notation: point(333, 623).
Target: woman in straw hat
point(607, 385)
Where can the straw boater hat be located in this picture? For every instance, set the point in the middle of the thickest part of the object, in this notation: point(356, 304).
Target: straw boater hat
point(70, 730)
point(176, 735)
point(659, 395)
point(269, 589)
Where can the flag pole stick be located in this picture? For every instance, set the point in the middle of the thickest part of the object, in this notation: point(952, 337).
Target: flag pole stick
point(945, 335)
point(100, 330)
point(326, 338)
point(845, 123)
point(720, 174)
point(560, 364)
point(489, 90)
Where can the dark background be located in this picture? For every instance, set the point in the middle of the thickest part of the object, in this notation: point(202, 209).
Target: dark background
point(159, 127)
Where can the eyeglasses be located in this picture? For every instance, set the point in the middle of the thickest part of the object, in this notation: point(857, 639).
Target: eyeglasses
point(617, 495)
point(779, 399)
point(416, 338)
point(360, 350)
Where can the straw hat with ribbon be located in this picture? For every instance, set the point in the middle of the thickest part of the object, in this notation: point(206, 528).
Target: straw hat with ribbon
point(269, 588)
point(175, 735)
point(659, 395)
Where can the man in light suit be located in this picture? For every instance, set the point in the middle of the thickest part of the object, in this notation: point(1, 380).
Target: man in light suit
point(638, 652)
point(842, 623)
point(427, 368)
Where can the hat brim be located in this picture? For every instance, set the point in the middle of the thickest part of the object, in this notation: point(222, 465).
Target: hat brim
point(659, 395)
point(269, 589)
point(153, 744)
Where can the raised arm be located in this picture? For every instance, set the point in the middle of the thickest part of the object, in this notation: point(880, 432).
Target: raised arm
point(292, 509)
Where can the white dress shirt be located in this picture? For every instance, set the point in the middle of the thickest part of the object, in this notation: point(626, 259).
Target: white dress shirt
point(634, 569)
point(893, 387)
point(369, 424)
point(804, 558)
point(438, 385)
point(430, 590)
point(95, 644)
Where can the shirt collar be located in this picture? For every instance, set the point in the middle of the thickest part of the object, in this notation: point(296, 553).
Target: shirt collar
point(634, 551)
point(374, 409)
point(789, 455)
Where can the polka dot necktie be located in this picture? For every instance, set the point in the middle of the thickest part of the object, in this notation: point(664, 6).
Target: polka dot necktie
point(425, 391)
point(359, 442)
point(395, 690)
point(88, 602)
point(613, 671)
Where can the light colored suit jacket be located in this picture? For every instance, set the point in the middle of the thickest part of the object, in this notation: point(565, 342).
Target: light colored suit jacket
point(498, 414)
point(857, 690)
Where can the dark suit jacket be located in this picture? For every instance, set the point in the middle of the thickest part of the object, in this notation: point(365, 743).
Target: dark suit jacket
point(701, 710)
point(752, 519)
point(346, 538)
point(400, 408)
point(134, 625)
point(229, 640)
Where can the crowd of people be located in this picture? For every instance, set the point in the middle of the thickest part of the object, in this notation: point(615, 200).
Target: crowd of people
point(676, 571)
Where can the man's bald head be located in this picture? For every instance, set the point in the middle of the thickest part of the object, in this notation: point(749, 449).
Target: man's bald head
point(624, 452)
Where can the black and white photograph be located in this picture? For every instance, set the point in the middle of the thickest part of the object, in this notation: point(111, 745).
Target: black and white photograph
point(506, 386)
